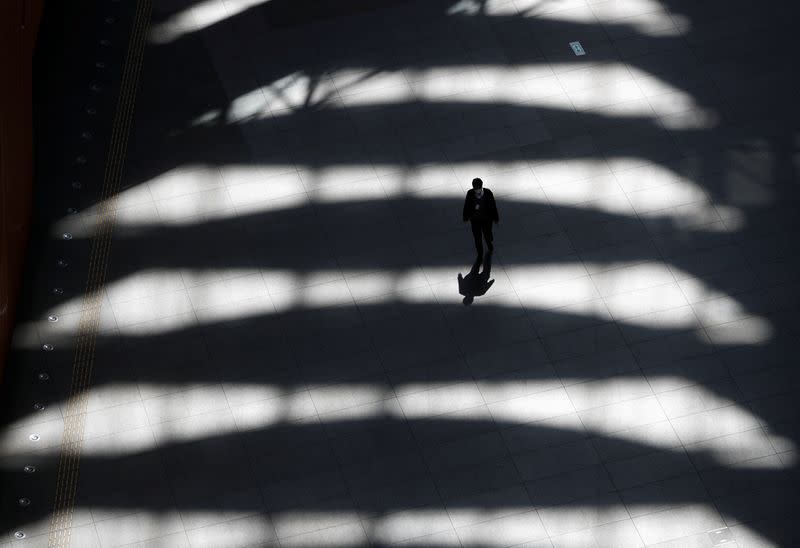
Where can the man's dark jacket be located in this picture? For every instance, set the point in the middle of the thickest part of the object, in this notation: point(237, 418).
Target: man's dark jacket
point(489, 205)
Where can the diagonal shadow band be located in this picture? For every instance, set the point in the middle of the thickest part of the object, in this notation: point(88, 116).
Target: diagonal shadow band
point(391, 344)
point(458, 465)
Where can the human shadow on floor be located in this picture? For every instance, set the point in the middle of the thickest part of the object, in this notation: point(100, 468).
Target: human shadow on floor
point(476, 284)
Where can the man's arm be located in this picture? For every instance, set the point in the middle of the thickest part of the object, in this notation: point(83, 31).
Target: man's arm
point(466, 208)
point(493, 205)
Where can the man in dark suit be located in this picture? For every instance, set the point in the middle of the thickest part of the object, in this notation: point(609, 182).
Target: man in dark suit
point(481, 210)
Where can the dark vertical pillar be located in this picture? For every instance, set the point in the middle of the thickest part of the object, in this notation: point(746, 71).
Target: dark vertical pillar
point(19, 21)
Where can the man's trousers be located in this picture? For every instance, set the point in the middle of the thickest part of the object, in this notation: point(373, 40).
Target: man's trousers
point(482, 228)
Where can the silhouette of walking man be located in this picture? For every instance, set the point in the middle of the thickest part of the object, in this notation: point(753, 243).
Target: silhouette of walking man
point(481, 210)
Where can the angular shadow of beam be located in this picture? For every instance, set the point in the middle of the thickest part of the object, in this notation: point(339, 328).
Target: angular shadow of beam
point(309, 55)
point(376, 466)
point(420, 133)
point(411, 232)
point(416, 234)
point(388, 346)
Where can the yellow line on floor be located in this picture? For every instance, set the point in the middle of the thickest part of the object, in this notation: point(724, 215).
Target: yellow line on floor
point(75, 415)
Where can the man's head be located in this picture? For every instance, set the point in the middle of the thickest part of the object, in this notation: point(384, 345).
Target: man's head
point(477, 183)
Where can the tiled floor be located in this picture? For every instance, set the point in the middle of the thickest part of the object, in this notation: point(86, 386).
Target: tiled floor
point(284, 357)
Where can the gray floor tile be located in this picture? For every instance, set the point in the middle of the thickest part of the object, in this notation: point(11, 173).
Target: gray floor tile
point(768, 382)
point(599, 365)
point(115, 419)
point(636, 441)
point(465, 452)
point(186, 403)
point(584, 341)
point(760, 504)
point(400, 526)
point(623, 415)
point(731, 450)
point(515, 384)
point(312, 489)
point(299, 524)
point(179, 540)
point(567, 487)
point(376, 440)
point(672, 347)
point(677, 523)
point(649, 468)
point(747, 534)
point(534, 407)
point(664, 494)
point(138, 527)
point(698, 398)
point(713, 424)
point(336, 397)
point(488, 505)
point(464, 423)
point(410, 467)
point(513, 357)
point(235, 532)
point(645, 301)
point(686, 373)
point(651, 326)
point(446, 538)
point(583, 514)
point(239, 506)
point(592, 394)
point(754, 358)
point(564, 319)
point(395, 497)
point(159, 307)
point(500, 332)
point(196, 427)
point(747, 330)
point(619, 533)
point(720, 483)
point(488, 476)
point(640, 277)
point(332, 536)
point(775, 409)
point(438, 401)
point(555, 460)
point(548, 432)
point(508, 531)
point(559, 294)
